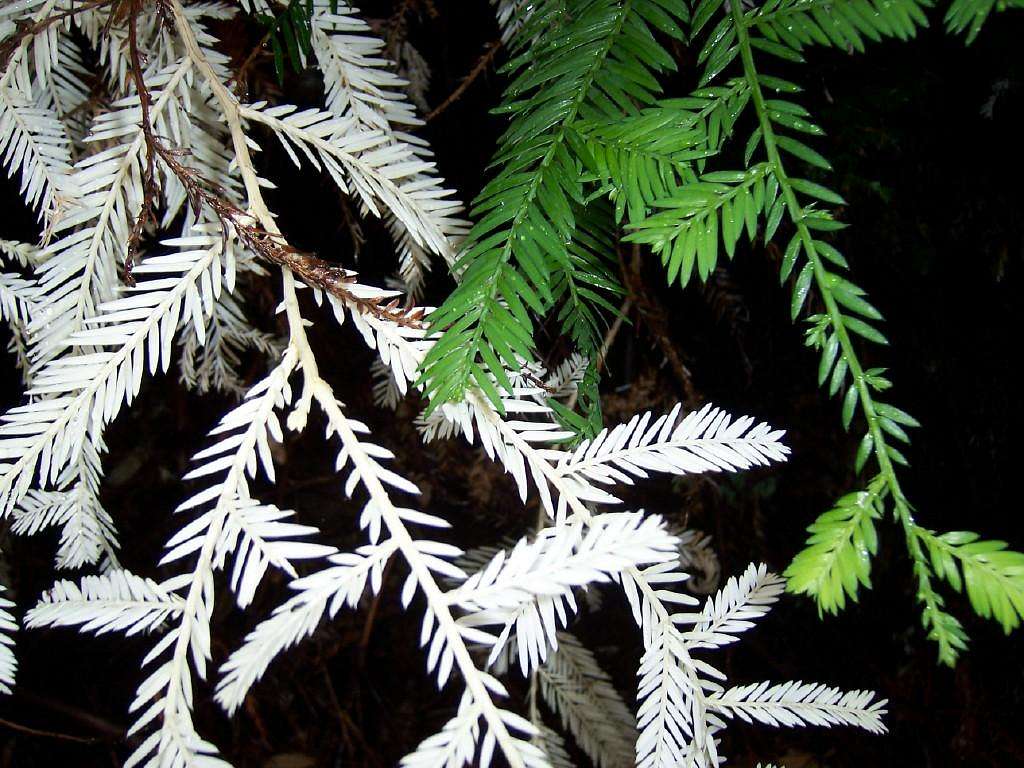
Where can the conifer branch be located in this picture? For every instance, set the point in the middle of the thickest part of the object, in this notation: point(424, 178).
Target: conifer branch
point(941, 627)
point(170, 160)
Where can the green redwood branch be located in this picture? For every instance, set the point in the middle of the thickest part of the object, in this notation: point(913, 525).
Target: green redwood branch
point(526, 205)
point(926, 594)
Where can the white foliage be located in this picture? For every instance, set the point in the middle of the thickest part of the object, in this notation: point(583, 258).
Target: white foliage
point(87, 530)
point(400, 348)
point(529, 589)
point(552, 745)
point(796, 703)
point(90, 341)
point(360, 83)
point(446, 640)
point(708, 440)
point(19, 11)
point(79, 267)
point(671, 718)
point(464, 740)
point(381, 173)
point(563, 382)
point(118, 601)
point(34, 142)
point(68, 93)
point(733, 610)
point(131, 335)
point(455, 745)
point(573, 685)
point(358, 80)
point(18, 253)
point(8, 661)
point(256, 537)
point(533, 380)
point(233, 526)
point(158, 44)
point(683, 703)
point(322, 593)
point(576, 689)
point(213, 364)
point(88, 535)
point(17, 299)
point(17, 303)
point(677, 725)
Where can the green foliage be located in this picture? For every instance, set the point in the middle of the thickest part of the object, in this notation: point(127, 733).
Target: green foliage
point(837, 559)
point(580, 287)
point(970, 15)
point(707, 212)
point(591, 147)
point(585, 420)
point(992, 575)
point(640, 158)
point(799, 23)
point(719, 205)
point(652, 161)
point(289, 33)
point(534, 245)
point(942, 628)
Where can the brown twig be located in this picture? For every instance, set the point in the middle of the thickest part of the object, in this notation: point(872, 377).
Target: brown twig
point(527, 374)
point(478, 69)
point(253, 713)
point(348, 725)
point(111, 732)
point(609, 338)
point(48, 734)
point(150, 188)
point(314, 271)
point(240, 74)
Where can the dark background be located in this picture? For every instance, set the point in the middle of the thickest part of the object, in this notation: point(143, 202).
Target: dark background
point(926, 139)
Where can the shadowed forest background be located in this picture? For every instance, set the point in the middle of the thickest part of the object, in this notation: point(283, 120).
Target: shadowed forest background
point(927, 142)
